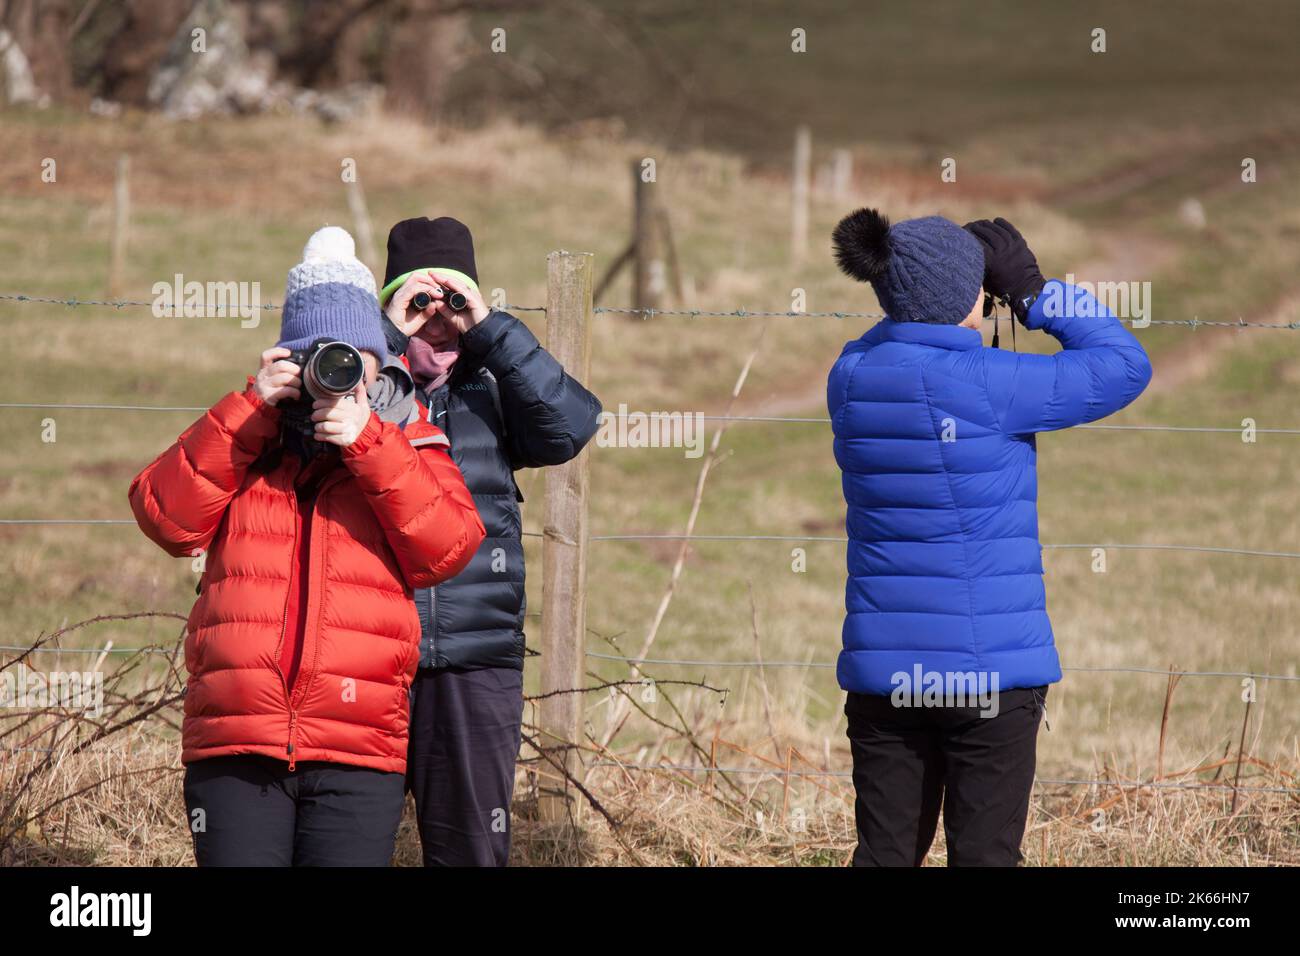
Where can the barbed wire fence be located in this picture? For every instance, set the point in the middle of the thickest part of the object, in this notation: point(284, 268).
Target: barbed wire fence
point(648, 313)
point(547, 736)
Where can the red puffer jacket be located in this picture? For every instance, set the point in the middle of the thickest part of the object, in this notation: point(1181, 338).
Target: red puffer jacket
point(394, 516)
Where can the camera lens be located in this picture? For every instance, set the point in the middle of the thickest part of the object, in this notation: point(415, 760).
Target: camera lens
point(335, 369)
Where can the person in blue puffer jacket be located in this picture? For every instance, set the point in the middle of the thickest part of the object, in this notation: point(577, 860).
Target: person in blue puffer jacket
point(947, 645)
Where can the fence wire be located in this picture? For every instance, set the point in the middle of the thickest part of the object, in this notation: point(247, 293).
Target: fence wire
point(786, 420)
point(647, 313)
point(1099, 784)
point(1041, 781)
point(1204, 549)
point(73, 302)
point(745, 314)
point(774, 419)
point(698, 662)
point(843, 539)
point(830, 665)
point(33, 649)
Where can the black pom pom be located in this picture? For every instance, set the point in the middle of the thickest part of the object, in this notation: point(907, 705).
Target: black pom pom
point(862, 246)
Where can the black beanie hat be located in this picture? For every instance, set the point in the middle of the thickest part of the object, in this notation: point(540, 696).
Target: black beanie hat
point(423, 243)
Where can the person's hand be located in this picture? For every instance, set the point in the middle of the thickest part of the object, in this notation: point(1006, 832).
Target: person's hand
point(277, 378)
point(1010, 269)
point(340, 420)
point(475, 310)
point(399, 310)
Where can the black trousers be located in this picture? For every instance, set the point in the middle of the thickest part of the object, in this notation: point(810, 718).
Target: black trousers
point(465, 727)
point(910, 761)
point(249, 810)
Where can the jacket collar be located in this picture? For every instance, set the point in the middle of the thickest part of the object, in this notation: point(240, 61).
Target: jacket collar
point(921, 333)
point(393, 394)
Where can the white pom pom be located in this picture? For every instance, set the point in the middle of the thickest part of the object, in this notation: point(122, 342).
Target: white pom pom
point(332, 242)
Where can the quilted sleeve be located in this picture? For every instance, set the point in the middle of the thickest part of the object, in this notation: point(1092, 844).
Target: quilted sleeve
point(1100, 369)
point(181, 496)
point(420, 499)
point(549, 415)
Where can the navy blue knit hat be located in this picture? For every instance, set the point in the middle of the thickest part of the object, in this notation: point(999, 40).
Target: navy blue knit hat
point(331, 295)
point(922, 270)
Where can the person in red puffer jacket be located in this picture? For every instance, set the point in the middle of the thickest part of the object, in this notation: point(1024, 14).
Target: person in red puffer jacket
point(304, 640)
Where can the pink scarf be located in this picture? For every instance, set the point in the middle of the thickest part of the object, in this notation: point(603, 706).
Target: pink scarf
point(430, 366)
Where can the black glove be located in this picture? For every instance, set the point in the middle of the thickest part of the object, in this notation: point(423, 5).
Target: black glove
point(1010, 269)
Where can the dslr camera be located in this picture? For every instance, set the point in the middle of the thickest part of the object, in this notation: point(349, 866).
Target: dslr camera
point(330, 369)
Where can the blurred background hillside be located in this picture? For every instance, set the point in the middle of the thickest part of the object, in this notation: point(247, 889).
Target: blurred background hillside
point(1117, 166)
point(909, 77)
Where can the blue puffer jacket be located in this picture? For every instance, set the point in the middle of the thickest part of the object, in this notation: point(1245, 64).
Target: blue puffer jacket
point(934, 435)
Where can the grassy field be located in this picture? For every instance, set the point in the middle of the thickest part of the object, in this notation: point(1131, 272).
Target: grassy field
point(235, 199)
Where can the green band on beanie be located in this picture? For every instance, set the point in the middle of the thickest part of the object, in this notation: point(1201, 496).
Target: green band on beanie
point(387, 291)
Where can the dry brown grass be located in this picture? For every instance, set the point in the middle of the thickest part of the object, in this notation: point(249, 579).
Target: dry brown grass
point(108, 792)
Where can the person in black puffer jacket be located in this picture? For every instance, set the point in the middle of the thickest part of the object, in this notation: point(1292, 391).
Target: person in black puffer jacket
point(504, 403)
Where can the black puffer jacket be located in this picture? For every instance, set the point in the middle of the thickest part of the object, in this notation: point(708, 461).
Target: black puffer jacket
point(508, 405)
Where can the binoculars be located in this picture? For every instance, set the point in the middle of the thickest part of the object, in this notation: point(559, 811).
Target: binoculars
point(456, 300)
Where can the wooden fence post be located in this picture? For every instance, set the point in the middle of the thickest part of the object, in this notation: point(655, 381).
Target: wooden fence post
point(564, 542)
point(841, 175)
point(361, 223)
point(121, 223)
point(800, 175)
point(648, 275)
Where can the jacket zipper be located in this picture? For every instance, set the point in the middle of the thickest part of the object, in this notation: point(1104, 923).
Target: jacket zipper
point(306, 675)
point(305, 524)
point(442, 401)
point(284, 629)
point(293, 730)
